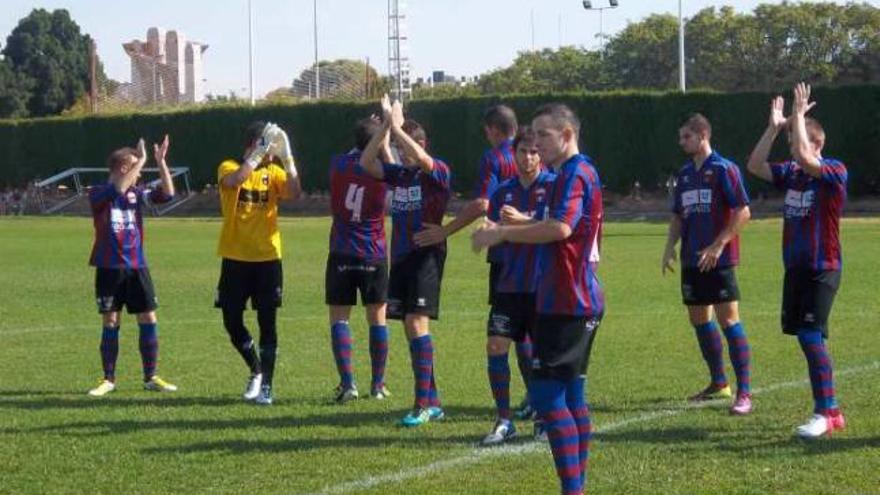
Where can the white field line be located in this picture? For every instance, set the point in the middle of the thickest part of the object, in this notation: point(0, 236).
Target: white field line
point(477, 454)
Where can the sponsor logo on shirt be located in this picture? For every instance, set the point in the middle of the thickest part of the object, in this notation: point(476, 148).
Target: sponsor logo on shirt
point(122, 219)
point(407, 199)
point(696, 201)
point(798, 204)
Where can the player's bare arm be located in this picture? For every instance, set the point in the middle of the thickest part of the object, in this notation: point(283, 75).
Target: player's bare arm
point(546, 231)
point(409, 145)
point(672, 237)
point(160, 151)
point(379, 144)
point(804, 153)
point(709, 256)
point(758, 165)
point(129, 175)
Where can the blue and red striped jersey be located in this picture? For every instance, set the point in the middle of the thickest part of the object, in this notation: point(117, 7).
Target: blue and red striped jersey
point(496, 166)
point(357, 201)
point(812, 211)
point(119, 225)
point(706, 199)
point(567, 281)
point(417, 198)
point(519, 262)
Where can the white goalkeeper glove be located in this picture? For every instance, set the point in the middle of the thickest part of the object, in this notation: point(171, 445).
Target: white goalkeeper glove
point(261, 149)
point(280, 147)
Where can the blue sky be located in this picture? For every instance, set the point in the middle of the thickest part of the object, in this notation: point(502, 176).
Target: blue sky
point(462, 37)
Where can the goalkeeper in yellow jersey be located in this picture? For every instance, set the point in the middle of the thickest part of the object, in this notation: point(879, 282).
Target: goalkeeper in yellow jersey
point(250, 247)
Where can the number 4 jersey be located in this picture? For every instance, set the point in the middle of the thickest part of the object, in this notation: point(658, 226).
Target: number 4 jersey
point(358, 204)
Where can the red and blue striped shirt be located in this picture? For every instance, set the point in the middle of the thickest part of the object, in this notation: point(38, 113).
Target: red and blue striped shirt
point(519, 262)
point(567, 283)
point(496, 166)
point(357, 201)
point(812, 211)
point(706, 199)
point(119, 225)
point(417, 198)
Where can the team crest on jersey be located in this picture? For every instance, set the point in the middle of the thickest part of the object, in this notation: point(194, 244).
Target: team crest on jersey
point(131, 197)
point(265, 180)
point(508, 197)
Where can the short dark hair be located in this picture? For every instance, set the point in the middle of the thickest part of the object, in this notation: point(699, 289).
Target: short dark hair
point(525, 134)
point(253, 131)
point(500, 117)
point(414, 130)
point(364, 130)
point(698, 123)
point(561, 115)
point(116, 158)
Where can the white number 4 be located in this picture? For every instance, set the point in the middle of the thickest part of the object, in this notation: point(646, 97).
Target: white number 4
point(354, 200)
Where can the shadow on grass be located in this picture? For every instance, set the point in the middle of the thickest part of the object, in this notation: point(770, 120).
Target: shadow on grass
point(67, 400)
point(236, 447)
point(337, 418)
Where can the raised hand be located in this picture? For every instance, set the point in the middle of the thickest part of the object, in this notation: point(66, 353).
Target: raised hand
point(141, 152)
point(802, 104)
point(160, 151)
point(386, 108)
point(777, 113)
point(397, 117)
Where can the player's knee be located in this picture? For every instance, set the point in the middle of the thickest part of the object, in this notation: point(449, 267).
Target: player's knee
point(496, 346)
point(376, 314)
point(110, 320)
point(148, 317)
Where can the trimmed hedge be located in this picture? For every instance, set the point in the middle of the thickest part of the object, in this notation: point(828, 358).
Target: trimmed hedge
point(632, 136)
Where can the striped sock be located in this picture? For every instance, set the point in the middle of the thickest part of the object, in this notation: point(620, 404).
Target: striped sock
point(710, 344)
point(340, 335)
point(524, 352)
point(576, 400)
point(109, 351)
point(378, 353)
point(819, 365)
point(740, 357)
point(149, 347)
point(499, 380)
point(433, 394)
point(422, 354)
point(549, 399)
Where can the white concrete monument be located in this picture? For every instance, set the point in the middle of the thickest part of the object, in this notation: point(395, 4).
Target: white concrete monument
point(166, 68)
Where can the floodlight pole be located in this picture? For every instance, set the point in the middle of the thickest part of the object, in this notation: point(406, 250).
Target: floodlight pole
point(317, 67)
point(251, 50)
point(682, 79)
point(589, 6)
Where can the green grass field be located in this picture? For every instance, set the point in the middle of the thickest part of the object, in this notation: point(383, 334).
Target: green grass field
point(55, 439)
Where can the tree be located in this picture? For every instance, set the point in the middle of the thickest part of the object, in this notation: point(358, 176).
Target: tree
point(341, 79)
point(645, 54)
point(14, 93)
point(49, 50)
point(566, 69)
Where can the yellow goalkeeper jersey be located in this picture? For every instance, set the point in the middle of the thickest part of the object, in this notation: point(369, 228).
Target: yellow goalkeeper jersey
point(250, 213)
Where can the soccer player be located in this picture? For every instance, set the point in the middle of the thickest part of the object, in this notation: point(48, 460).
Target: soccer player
point(121, 274)
point(569, 299)
point(710, 208)
point(357, 261)
point(815, 191)
point(250, 247)
point(496, 166)
point(420, 193)
point(516, 201)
